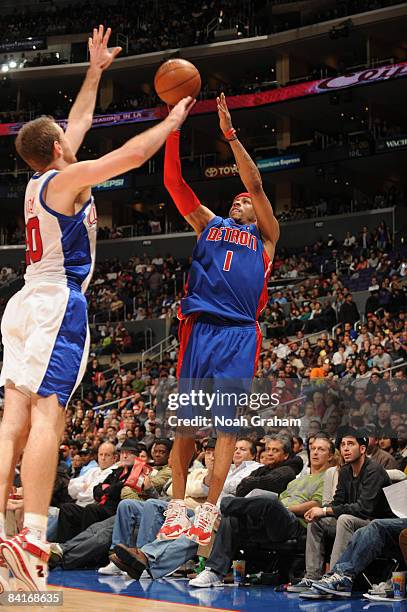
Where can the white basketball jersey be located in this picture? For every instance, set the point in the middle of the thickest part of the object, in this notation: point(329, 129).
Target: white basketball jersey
point(60, 248)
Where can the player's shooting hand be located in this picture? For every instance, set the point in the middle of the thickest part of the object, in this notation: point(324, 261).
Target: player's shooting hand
point(100, 55)
point(225, 119)
point(181, 110)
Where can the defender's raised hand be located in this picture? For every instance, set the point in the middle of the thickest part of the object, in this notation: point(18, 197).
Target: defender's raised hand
point(100, 55)
point(181, 110)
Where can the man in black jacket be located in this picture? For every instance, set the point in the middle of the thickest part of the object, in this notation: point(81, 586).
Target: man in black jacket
point(283, 467)
point(348, 312)
point(73, 519)
point(359, 497)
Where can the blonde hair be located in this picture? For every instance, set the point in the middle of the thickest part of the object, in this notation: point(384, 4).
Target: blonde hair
point(35, 142)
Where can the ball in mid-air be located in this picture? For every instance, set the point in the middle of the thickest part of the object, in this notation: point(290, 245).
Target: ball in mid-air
point(176, 79)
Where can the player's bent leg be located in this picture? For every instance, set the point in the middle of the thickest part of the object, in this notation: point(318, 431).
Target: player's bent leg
point(27, 554)
point(176, 519)
point(207, 514)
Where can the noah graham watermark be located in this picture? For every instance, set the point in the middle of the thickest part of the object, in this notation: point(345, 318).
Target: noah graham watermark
point(220, 399)
point(239, 421)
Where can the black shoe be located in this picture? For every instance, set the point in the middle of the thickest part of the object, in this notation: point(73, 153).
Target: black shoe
point(55, 556)
point(130, 560)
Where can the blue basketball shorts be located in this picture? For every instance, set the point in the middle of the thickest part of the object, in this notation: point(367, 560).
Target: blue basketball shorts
point(218, 358)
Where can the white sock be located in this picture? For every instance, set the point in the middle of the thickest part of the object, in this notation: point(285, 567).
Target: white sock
point(37, 525)
point(2, 525)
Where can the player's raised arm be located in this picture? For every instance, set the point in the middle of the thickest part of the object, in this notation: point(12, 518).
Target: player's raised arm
point(186, 201)
point(250, 175)
point(74, 178)
point(81, 114)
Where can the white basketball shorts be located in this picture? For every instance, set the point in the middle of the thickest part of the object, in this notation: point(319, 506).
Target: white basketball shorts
point(46, 340)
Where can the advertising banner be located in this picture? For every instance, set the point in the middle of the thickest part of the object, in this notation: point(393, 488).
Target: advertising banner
point(391, 144)
point(282, 162)
point(274, 96)
point(121, 182)
point(26, 44)
point(221, 171)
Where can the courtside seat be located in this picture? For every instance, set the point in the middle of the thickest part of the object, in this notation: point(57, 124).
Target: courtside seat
point(286, 558)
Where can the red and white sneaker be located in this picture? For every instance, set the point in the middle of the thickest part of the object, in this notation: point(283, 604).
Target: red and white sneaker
point(204, 522)
point(5, 581)
point(176, 521)
point(27, 559)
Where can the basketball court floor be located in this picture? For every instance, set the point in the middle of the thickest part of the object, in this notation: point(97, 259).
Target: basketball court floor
point(88, 591)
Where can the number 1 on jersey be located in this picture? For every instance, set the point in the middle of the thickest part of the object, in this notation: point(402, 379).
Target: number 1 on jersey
point(228, 261)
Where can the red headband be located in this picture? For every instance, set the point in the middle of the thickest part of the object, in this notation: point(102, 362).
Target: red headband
point(244, 194)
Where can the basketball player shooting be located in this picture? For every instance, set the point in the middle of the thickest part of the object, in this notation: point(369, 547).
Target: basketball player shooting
point(219, 334)
point(44, 327)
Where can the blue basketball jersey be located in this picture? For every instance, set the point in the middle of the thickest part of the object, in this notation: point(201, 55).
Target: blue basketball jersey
point(229, 272)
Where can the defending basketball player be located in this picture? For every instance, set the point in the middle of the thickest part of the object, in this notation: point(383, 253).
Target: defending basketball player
point(227, 290)
point(44, 327)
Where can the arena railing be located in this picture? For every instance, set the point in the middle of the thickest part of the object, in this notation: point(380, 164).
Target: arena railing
point(117, 401)
point(397, 366)
point(299, 341)
point(313, 335)
point(157, 350)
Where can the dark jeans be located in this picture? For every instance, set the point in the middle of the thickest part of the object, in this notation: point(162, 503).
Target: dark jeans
point(368, 543)
point(262, 518)
point(89, 548)
point(73, 519)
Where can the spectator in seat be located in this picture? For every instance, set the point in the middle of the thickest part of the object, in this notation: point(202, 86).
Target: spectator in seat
point(350, 240)
point(397, 299)
point(88, 460)
point(283, 466)
point(243, 464)
point(375, 384)
point(161, 473)
point(383, 418)
point(402, 443)
point(76, 465)
point(364, 240)
point(359, 497)
point(388, 441)
point(81, 488)
point(375, 453)
point(73, 518)
point(348, 312)
point(322, 368)
point(299, 450)
point(382, 360)
point(372, 303)
point(381, 537)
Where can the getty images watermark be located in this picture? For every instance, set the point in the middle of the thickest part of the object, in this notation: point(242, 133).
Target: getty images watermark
point(223, 406)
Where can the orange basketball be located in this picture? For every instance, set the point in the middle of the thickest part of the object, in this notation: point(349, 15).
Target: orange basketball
point(176, 79)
